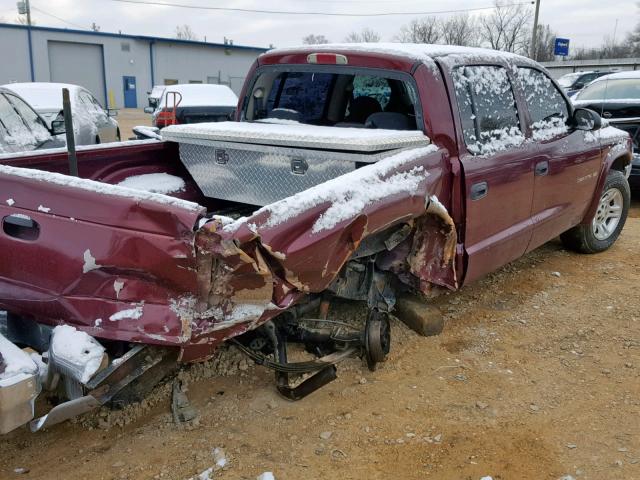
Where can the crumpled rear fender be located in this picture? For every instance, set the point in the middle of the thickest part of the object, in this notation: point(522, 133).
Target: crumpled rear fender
point(253, 268)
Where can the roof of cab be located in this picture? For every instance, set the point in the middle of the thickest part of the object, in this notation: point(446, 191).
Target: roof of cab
point(408, 51)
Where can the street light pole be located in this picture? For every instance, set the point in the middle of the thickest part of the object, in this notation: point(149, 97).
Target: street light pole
point(534, 36)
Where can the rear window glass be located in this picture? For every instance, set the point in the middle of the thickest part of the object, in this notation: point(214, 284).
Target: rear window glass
point(341, 99)
point(305, 93)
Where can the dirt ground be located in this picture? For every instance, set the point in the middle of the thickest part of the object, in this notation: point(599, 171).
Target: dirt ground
point(536, 376)
point(130, 117)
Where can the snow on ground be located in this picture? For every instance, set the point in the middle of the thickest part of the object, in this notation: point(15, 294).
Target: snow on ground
point(155, 183)
point(17, 364)
point(363, 139)
point(76, 349)
point(98, 187)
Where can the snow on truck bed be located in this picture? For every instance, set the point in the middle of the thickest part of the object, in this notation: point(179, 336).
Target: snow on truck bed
point(297, 135)
point(98, 187)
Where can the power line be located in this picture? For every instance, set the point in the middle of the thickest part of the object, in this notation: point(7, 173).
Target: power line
point(326, 14)
point(58, 18)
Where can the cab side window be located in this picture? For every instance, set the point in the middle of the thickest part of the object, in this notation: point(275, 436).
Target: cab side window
point(546, 104)
point(487, 107)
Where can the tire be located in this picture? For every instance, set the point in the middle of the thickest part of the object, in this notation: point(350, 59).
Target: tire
point(611, 215)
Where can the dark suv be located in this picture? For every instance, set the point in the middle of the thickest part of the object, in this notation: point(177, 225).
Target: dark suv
point(572, 83)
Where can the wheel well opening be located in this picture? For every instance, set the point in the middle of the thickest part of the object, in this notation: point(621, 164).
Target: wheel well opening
point(620, 163)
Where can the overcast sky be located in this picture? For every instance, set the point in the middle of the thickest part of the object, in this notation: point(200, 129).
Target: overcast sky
point(584, 22)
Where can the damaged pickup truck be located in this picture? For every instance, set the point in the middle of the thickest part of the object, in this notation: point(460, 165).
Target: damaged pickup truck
point(359, 172)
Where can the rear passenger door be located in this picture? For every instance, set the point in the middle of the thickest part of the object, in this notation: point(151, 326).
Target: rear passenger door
point(567, 163)
point(497, 166)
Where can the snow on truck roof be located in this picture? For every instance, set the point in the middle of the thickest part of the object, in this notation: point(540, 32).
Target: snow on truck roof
point(411, 51)
point(42, 95)
point(201, 94)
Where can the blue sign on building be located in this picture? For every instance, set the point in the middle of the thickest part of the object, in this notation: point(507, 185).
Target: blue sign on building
point(561, 47)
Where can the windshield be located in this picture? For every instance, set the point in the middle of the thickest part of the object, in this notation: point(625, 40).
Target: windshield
point(624, 89)
point(569, 79)
point(341, 98)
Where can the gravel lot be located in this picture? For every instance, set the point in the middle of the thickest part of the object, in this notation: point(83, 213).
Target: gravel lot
point(536, 376)
point(130, 117)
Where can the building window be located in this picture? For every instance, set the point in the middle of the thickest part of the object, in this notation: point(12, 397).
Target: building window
point(195, 81)
point(125, 46)
point(170, 81)
point(213, 80)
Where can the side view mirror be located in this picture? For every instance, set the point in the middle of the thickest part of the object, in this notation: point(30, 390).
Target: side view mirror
point(57, 127)
point(587, 120)
point(112, 112)
point(149, 110)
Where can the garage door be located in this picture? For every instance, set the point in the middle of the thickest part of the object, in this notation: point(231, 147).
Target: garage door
point(78, 63)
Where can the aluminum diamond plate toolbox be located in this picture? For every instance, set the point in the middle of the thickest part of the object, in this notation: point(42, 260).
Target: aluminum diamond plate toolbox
point(298, 135)
point(261, 174)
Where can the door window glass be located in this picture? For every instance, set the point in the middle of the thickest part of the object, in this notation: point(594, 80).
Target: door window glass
point(487, 108)
point(547, 107)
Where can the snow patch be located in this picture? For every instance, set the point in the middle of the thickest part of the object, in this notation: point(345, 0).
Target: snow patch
point(347, 195)
point(117, 286)
point(44, 209)
point(266, 476)
point(89, 262)
point(15, 364)
point(129, 314)
point(10, 201)
point(154, 183)
point(97, 323)
point(76, 349)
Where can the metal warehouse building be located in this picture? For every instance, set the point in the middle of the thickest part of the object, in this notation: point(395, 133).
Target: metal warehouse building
point(119, 69)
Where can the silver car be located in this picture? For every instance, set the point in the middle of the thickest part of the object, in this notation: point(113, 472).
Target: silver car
point(91, 122)
point(22, 129)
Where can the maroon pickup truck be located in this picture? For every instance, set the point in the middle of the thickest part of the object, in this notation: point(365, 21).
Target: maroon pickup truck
point(359, 172)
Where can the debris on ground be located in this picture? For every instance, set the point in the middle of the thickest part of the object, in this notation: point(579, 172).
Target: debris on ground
point(181, 409)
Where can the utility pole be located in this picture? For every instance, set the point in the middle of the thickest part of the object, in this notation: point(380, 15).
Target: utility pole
point(25, 8)
point(28, 13)
point(534, 36)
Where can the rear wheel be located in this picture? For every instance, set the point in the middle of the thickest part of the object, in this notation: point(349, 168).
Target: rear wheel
point(607, 223)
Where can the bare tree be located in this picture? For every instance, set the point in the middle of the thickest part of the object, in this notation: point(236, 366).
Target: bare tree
point(507, 27)
point(545, 44)
point(423, 30)
point(366, 35)
point(312, 39)
point(185, 32)
point(460, 30)
point(95, 27)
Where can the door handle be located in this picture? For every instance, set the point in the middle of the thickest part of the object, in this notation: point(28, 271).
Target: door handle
point(479, 190)
point(542, 168)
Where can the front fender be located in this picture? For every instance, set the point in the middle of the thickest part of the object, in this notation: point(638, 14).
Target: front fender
point(616, 152)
